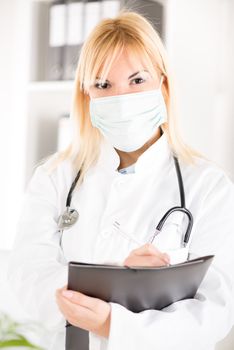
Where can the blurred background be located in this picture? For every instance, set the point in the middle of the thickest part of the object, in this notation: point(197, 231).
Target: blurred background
point(40, 43)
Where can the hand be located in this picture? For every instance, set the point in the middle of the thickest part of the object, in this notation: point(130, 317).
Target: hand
point(86, 312)
point(147, 255)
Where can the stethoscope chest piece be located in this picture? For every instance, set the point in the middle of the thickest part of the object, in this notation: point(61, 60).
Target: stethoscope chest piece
point(68, 219)
point(70, 216)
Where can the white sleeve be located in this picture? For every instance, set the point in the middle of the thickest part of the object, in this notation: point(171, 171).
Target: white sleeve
point(37, 266)
point(197, 323)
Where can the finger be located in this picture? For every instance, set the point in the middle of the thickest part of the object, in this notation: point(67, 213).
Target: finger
point(167, 258)
point(151, 250)
point(80, 299)
point(148, 249)
point(145, 261)
point(61, 289)
point(71, 310)
point(82, 316)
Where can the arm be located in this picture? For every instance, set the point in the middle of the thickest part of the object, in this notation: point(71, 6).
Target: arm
point(37, 266)
point(197, 323)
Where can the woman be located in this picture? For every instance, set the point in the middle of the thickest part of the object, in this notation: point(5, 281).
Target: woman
point(124, 139)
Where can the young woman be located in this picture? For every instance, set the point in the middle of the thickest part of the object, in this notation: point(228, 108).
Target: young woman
point(124, 150)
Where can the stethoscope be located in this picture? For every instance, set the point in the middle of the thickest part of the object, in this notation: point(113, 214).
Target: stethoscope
point(70, 216)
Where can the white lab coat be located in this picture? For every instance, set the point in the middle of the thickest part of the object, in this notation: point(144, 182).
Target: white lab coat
point(137, 202)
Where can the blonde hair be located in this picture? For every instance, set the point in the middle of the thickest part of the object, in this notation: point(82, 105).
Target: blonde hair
point(129, 30)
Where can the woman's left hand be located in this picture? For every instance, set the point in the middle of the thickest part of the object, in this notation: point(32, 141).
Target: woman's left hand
point(86, 312)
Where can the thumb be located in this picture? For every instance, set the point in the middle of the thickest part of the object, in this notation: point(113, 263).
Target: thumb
point(146, 249)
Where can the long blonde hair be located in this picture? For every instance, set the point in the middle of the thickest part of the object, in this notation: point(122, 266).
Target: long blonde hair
point(110, 36)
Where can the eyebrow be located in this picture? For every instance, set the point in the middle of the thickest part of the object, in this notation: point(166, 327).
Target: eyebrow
point(131, 76)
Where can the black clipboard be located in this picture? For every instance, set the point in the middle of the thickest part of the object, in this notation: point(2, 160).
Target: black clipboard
point(136, 288)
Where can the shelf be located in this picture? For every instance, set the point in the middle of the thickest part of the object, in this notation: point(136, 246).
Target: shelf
point(51, 86)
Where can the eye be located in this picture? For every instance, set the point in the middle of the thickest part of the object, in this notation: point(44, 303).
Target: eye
point(101, 86)
point(138, 81)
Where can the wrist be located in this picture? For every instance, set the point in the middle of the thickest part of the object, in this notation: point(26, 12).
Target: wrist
point(105, 328)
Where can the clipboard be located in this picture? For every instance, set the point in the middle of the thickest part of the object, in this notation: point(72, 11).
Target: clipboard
point(137, 288)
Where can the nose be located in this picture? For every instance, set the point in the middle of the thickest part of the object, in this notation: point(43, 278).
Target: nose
point(121, 90)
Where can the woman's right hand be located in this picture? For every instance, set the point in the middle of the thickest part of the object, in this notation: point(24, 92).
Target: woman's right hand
point(147, 255)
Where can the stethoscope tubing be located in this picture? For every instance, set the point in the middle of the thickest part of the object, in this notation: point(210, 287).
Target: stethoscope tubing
point(181, 208)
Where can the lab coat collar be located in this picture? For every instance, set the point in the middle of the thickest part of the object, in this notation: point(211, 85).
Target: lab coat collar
point(155, 157)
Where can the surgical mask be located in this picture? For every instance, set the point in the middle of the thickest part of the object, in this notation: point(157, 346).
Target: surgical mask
point(128, 121)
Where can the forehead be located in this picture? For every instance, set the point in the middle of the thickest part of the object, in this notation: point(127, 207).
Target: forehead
point(125, 63)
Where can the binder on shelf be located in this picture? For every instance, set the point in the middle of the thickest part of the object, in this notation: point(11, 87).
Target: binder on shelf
point(39, 40)
point(57, 40)
point(136, 288)
point(110, 8)
point(153, 10)
point(92, 15)
point(74, 37)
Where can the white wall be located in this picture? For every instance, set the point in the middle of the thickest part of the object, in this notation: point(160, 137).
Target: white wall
point(13, 78)
point(200, 42)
